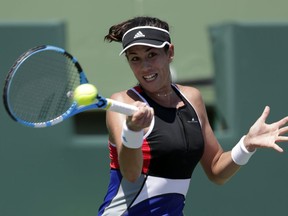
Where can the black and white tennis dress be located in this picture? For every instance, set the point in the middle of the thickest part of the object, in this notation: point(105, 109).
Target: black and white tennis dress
point(172, 147)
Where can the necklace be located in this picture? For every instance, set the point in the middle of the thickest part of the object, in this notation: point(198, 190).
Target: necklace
point(165, 94)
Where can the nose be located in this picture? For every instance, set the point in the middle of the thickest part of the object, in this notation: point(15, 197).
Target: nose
point(146, 65)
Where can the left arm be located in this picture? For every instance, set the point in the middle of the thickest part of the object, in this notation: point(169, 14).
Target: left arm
point(219, 165)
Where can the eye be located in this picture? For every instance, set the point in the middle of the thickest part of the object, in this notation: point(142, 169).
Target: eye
point(133, 58)
point(152, 54)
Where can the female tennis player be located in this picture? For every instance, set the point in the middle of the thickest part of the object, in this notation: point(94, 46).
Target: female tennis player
point(154, 152)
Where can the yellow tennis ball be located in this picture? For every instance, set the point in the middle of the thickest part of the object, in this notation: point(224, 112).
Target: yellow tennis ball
point(85, 94)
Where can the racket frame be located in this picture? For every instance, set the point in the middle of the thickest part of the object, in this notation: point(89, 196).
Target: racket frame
point(100, 101)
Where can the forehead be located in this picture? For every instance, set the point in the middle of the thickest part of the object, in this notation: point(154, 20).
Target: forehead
point(141, 48)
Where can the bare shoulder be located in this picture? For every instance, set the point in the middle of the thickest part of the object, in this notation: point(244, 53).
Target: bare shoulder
point(195, 98)
point(191, 93)
point(122, 96)
point(126, 96)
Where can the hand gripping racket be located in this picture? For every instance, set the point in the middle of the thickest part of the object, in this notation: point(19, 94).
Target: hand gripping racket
point(37, 88)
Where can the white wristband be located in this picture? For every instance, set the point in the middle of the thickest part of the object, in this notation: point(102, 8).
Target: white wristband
point(131, 139)
point(240, 155)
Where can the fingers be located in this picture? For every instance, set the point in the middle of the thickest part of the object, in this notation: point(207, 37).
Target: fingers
point(282, 139)
point(277, 148)
point(265, 113)
point(263, 135)
point(277, 124)
point(283, 130)
point(282, 122)
point(142, 118)
point(144, 111)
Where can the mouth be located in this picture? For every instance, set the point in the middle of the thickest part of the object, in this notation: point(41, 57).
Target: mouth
point(150, 77)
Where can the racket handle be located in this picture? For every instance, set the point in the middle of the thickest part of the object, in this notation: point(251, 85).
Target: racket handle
point(121, 107)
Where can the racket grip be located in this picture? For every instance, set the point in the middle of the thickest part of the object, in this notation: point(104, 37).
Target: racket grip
point(120, 107)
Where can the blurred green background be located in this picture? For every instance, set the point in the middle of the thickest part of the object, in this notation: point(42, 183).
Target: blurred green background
point(235, 52)
point(89, 21)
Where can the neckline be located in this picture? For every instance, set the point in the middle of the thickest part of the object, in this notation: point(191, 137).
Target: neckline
point(151, 100)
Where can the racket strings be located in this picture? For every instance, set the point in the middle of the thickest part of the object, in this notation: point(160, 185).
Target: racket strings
point(40, 85)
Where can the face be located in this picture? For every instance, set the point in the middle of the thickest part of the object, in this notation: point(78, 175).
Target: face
point(151, 66)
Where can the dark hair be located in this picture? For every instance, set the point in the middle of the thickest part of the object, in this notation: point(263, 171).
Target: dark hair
point(117, 31)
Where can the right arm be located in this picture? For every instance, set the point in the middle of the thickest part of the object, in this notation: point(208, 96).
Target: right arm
point(130, 159)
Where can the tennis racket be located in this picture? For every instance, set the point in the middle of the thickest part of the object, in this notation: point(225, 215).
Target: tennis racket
point(37, 91)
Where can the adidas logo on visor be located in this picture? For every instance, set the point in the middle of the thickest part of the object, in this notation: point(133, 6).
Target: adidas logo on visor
point(139, 34)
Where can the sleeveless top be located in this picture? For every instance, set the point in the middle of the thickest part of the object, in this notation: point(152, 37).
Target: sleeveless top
point(172, 147)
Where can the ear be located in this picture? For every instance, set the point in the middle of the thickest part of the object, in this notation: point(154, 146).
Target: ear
point(171, 52)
